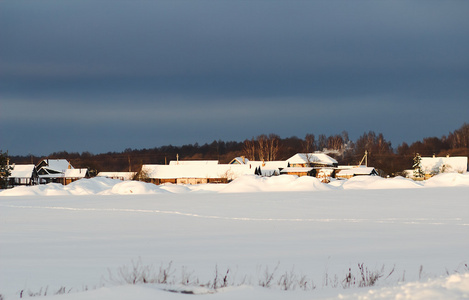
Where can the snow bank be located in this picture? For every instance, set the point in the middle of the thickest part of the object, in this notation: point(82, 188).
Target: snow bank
point(284, 183)
point(376, 182)
point(448, 179)
point(134, 187)
point(453, 287)
point(244, 184)
point(448, 288)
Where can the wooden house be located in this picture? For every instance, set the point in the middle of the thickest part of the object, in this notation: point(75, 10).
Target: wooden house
point(315, 164)
point(436, 165)
point(299, 171)
point(23, 175)
point(347, 173)
point(313, 160)
point(59, 171)
point(193, 172)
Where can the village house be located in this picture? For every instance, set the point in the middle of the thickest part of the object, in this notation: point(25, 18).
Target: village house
point(435, 165)
point(431, 166)
point(193, 172)
point(59, 171)
point(23, 175)
point(315, 164)
point(349, 172)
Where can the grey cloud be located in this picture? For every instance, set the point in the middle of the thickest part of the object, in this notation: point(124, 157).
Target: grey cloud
point(173, 64)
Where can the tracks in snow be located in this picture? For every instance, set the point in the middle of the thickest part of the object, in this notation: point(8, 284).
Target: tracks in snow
point(409, 221)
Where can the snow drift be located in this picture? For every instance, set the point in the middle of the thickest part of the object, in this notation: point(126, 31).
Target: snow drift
point(244, 184)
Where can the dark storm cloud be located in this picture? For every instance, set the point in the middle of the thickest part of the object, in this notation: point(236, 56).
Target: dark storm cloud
point(229, 69)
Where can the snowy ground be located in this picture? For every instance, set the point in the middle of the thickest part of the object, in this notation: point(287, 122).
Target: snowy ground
point(413, 234)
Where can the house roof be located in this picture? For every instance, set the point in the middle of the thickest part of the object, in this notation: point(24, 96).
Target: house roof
point(296, 170)
point(269, 165)
point(76, 173)
point(450, 164)
point(69, 173)
point(239, 160)
point(193, 162)
point(22, 171)
point(361, 170)
point(315, 158)
point(59, 165)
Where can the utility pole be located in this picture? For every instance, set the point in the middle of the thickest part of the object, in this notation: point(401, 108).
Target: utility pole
point(365, 158)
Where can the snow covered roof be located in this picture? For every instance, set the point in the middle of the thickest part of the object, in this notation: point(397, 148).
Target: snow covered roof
point(269, 165)
point(296, 170)
point(76, 173)
point(196, 171)
point(193, 162)
point(315, 158)
point(22, 171)
point(444, 164)
point(59, 165)
point(69, 173)
point(361, 170)
point(118, 175)
point(239, 160)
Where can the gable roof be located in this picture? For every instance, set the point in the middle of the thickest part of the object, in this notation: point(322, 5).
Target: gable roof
point(58, 165)
point(312, 158)
point(239, 160)
point(22, 171)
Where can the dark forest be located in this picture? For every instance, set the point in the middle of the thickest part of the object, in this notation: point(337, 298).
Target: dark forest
point(381, 155)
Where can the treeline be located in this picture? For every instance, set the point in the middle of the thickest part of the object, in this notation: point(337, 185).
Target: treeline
point(381, 154)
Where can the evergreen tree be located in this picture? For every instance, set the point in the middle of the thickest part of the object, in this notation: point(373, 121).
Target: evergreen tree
point(5, 170)
point(418, 173)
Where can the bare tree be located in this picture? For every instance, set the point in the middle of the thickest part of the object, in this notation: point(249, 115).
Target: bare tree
point(273, 145)
point(309, 143)
point(335, 142)
point(263, 149)
point(322, 142)
point(250, 149)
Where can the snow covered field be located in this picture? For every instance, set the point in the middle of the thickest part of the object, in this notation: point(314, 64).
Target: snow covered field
point(309, 236)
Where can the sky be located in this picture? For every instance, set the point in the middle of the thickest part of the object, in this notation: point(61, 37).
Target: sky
point(106, 75)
